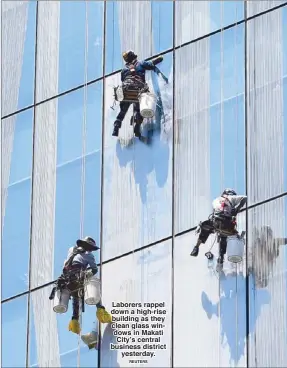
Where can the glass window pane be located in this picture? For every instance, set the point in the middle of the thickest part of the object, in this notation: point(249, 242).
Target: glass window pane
point(16, 196)
point(138, 176)
point(267, 240)
point(265, 107)
point(18, 61)
point(195, 19)
point(218, 305)
point(128, 29)
point(254, 7)
point(51, 343)
point(210, 133)
point(284, 39)
point(71, 51)
point(44, 342)
point(79, 147)
point(198, 287)
point(67, 177)
point(144, 277)
point(14, 326)
point(285, 129)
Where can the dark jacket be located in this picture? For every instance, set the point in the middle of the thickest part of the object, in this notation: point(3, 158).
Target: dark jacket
point(136, 69)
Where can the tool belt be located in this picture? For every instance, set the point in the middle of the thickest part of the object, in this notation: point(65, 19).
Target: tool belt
point(130, 90)
point(224, 225)
point(73, 279)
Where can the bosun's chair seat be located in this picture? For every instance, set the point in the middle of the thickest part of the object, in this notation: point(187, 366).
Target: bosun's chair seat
point(131, 95)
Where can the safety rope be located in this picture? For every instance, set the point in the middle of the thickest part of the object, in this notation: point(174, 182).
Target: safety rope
point(221, 150)
point(235, 181)
point(222, 100)
point(83, 172)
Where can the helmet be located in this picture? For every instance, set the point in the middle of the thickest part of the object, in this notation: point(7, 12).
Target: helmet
point(129, 56)
point(229, 191)
point(88, 244)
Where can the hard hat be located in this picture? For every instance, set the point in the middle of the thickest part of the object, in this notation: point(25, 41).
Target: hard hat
point(88, 244)
point(229, 191)
point(129, 56)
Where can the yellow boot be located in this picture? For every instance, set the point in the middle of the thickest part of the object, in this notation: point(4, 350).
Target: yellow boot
point(103, 316)
point(74, 326)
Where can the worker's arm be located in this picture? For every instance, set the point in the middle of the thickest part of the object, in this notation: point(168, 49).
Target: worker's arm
point(149, 65)
point(237, 203)
point(122, 75)
point(70, 251)
point(92, 263)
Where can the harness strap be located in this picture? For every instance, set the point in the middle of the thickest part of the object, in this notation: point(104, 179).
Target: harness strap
point(76, 251)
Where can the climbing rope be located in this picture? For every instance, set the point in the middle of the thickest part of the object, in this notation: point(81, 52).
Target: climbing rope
point(83, 171)
point(221, 141)
point(222, 99)
point(235, 179)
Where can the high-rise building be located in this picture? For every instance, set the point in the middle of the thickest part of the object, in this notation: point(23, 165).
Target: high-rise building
point(221, 122)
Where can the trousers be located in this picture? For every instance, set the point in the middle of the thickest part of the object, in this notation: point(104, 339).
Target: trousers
point(224, 227)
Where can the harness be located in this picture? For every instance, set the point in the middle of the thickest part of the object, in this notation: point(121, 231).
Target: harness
point(73, 274)
point(132, 87)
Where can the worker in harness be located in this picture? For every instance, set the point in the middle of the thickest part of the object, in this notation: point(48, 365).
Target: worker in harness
point(75, 272)
point(221, 221)
point(133, 78)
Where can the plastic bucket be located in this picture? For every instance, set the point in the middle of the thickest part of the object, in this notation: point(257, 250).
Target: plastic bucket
point(119, 94)
point(93, 291)
point(61, 301)
point(235, 249)
point(147, 105)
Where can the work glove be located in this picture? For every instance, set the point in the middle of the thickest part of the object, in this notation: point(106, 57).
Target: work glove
point(157, 60)
point(89, 274)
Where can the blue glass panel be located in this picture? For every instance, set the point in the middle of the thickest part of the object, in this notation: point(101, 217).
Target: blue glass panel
point(16, 230)
point(19, 60)
point(227, 142)
point(223, 13)
point(160, 34)
point(162, 25)
point(80, 20)
point(227, 64)
point(14, 326)
point(73, 112)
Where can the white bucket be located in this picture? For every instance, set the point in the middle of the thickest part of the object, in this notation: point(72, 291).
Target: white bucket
point(120, 93)
point(61, 301)
point(235, 249)
point(93, 291)
point(147, 105)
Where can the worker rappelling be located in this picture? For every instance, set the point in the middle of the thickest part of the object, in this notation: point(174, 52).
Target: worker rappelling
point(133, 84)
point(221, 221)
point(79, 271)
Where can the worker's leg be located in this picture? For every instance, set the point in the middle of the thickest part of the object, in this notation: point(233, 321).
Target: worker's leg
point(74, 324)
point(138, 119)
point(124, 106)
point(206, 228)
point(222, 248)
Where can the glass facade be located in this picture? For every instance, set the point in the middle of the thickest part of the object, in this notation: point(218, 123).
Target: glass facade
point(222, 122)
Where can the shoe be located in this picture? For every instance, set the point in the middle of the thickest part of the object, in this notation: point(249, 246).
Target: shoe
point(90, 339)
point(195, 251)
point(116, 131)
point(137, 130)
point(219, 265)
point(74, 326)
point(117, 125)
point(103, 316)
